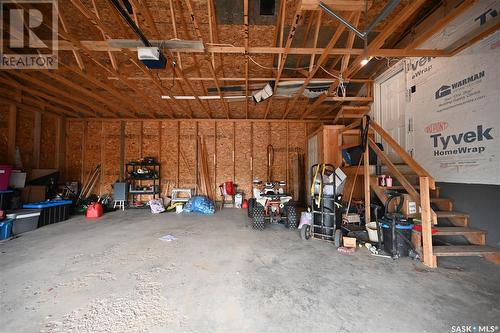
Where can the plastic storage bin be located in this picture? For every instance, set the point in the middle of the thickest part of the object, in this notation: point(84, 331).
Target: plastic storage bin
point(5, 171)
point(5, 229)
point(51, 211)
point(24, 220)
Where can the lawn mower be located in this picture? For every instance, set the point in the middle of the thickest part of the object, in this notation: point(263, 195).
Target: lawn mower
point(271, 205)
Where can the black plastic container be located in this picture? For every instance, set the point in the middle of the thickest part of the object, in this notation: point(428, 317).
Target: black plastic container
point(51, 211)
point(402, 246)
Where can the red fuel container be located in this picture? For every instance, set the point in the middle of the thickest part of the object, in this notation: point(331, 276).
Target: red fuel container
point(94, 211)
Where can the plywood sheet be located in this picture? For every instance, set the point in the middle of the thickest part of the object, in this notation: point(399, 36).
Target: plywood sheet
point(225, 136)
point(260, 142)
point(243, 157)
point(4, 131)
point(133, 140)
point(279, 143)
point(169, 155)
point(110, 157)
point(24, 136)
point(48, 142)
point(187, 151)
point(74, 149)
point(92, 150)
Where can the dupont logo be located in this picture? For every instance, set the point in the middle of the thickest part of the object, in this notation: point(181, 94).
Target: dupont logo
point(28, 34)
point(446, 90)
point(436, 127)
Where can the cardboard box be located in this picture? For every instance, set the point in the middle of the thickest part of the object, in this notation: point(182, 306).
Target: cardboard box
point(33, 193)
point(349, 241)
point(409, 206)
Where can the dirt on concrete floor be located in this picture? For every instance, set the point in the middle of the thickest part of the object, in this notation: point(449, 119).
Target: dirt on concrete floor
point(219, 275)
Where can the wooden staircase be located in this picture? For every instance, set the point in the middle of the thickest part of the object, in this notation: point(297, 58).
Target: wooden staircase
point(445, 232)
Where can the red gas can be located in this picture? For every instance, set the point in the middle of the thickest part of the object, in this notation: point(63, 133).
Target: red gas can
point(94, 211)
point(229, 188)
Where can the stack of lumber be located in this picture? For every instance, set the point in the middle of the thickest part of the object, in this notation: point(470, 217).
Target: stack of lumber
point(206, 187)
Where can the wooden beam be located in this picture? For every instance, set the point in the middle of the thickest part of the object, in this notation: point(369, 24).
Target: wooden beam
point(48, 98)
point(366, 178)
point(77, 87)
point(211, 67)
point(11, 134)
point(37, 136)
point(58, 92)
point(291, 35)
point(425, 203)
point(94, 19)
point(315, 39)
point(305, 37)
point(111, 56)
point(338, 5)
point(245, 23)
point(103, 46)
point(32, 104)
point(350, 44)
point(240, 79)
point(321, 60)
point(440, 24)
point(106, 86)
point(401, 17)
point(61, 144)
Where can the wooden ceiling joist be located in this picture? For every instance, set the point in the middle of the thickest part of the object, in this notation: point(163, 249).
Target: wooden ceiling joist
point(321, 60)
point(49, 99)
point(103, 46)
point(207, 57)
point(376, 44)
point(288, 44)
point(70, 98)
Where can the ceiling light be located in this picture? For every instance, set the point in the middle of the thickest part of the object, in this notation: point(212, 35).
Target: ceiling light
point(364, 61)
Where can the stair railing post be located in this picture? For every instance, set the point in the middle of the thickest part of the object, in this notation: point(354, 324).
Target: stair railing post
point(366, 177)
point(425, 203)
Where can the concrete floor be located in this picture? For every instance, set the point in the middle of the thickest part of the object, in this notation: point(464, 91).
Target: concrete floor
point(115, 275)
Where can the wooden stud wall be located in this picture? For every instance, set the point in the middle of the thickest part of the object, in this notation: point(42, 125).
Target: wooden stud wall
point(174, 144)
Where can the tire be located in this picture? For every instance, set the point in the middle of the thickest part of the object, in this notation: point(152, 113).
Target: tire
point(251, 204)
point(337, 238)
point(305, 232)
point(259, 219)
point(291, 216)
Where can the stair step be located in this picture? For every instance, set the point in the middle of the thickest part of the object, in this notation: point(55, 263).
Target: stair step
point(446, 214)
point(464, 250)
point(456, 231)
point(441, 200)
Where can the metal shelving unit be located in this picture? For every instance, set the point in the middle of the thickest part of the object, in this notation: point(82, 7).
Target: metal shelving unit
point(136, 179)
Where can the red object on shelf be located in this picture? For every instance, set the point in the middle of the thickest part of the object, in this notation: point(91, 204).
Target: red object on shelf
point(244, 204)
point(94, 211)
point(229, 188)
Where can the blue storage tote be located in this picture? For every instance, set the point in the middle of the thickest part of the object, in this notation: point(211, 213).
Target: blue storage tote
point(51, 211)
point(5, 228)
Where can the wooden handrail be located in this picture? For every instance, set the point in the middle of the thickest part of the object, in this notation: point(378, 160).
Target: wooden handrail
point(399, 176)
point(417, 168)
point(426, 219)
point(414, 194)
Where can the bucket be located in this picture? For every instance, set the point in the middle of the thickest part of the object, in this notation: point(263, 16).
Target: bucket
point(5, 171)
point(372, 231)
